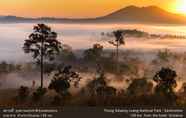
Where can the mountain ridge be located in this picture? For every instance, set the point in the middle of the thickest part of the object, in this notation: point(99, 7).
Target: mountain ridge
point(149, 14)
point(129, 14)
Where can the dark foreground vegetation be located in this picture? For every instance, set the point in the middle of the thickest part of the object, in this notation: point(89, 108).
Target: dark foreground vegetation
point(87, 79)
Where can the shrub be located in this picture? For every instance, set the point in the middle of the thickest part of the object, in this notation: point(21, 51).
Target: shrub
point(23, 92)
point(39, 93)
point(98, 87)
point(57, 100)
point(93, 54)
point(139, 87)
point(164, 55)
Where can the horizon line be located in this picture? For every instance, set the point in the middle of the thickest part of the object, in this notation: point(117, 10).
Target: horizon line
point(76, 18)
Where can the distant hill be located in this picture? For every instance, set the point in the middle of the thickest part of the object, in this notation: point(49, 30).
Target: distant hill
point(134, 33)
point(151, 14)
point(130, 14)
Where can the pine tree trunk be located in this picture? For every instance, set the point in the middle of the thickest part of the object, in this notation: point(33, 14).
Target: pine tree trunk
point(41, 65)
point(117, 58)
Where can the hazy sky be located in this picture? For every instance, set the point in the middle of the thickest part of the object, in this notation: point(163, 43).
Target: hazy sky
point(80, 8)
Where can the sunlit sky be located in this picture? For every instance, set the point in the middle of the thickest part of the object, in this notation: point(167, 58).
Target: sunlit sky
point(80, 8)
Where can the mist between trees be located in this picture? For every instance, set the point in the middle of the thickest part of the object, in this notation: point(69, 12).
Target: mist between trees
point(92, 77)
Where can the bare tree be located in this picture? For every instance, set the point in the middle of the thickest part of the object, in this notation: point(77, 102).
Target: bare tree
point(42, 44)
point(119, 40)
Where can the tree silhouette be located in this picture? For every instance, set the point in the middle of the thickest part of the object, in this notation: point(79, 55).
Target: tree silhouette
point(99, 87)
point(66, 54)
point(23, 93)
point(62, 80)
point(166, 81)
point(42, 44)
point(119, 40)
point(38, 94)
point(94, 53)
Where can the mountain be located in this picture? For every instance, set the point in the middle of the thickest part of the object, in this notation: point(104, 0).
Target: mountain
point(13, 19)
point(150, 14)
point(130, 14)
